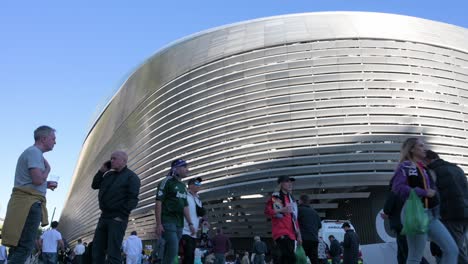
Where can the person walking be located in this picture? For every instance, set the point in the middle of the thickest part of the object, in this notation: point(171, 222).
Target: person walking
point(170, 209)
point(322, 251)
point(335, 249)
point(412, 174)
point(282, 209)
point(50, 241)
point(221, 245)
point(196, 211)
point(452, 186)
point(27, 206)
point(132, 247)
point(309, 223)
point(350, 245)
point(79, 252)
point(259, 249)
point(118, 195)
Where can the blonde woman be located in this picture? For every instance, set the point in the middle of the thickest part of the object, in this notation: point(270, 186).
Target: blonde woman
point(411, 174)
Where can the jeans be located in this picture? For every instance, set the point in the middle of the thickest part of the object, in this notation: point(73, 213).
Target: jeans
point(459, 232)
point(336, 260)
point(311, 250)
point(220, 258)
point(49, 258)
point(189, 249)
point(21, 252)
point(437, 233)
point(108, 239)
point(171, 235)
point(286, 248)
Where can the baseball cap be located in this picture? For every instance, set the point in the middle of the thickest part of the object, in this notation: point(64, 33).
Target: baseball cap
point(195, 181)
point(285, 179)
point(178, 163)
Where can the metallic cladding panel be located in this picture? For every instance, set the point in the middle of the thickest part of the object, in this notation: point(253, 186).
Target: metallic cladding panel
point(324, 97)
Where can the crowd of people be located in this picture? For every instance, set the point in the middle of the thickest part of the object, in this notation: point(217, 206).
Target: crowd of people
point(182, 230)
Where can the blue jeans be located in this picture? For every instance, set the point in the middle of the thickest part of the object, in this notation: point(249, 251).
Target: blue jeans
point(21, 252)
point(220, 258)
point(171, 235)
point(49, 258)
point(437, 233)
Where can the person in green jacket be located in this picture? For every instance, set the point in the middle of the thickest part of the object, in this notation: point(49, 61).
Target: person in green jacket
point(171, 207)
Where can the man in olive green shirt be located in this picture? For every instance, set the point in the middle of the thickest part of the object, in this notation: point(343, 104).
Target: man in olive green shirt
point(171, 208)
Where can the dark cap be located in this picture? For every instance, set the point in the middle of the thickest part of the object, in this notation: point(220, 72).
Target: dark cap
point(345, 224)
point(178, 163)
point(285, 179)
point(196, 181)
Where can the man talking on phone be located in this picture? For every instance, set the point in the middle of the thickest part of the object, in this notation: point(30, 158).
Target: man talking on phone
point(118, 196)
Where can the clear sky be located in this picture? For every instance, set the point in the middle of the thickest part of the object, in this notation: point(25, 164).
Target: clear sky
point(61, 61)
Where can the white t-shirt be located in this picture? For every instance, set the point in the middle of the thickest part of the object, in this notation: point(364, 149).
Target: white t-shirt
point(79, 249)
point(3, 253)
point(50, 240)
point(192, 201)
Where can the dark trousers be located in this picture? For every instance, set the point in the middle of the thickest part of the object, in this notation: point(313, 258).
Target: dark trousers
point(78, 259)
point(108, 239)
point(189, 249)
point(402, 248)
point(458, 230)
point(311, 250)
point(286, 249)
point(19, 254)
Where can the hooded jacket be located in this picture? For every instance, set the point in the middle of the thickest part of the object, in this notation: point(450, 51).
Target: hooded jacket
point(452, 187)
point(133, 246)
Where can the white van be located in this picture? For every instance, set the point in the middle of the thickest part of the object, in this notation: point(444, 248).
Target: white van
point(333, 227)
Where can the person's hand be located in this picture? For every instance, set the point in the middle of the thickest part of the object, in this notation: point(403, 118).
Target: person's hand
point(192, 230)
point(159, 230)
point(383, 215)
point(104, 167)
point(430, 193)
point(52, 187)
point(286, 209)
point(299, 240)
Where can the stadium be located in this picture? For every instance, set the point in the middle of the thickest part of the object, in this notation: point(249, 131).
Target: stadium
point(325, 97)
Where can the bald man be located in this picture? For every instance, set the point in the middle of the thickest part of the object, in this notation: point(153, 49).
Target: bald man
point(118, 195)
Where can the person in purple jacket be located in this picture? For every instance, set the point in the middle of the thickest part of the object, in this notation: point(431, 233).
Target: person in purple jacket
point(412, 174)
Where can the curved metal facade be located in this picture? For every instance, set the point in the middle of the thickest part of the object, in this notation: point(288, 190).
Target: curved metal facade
point(324, 97)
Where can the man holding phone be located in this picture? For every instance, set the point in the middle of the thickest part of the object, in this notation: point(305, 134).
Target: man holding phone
point(118, 195)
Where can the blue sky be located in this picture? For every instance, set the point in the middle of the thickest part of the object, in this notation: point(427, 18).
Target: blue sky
point(61, 61)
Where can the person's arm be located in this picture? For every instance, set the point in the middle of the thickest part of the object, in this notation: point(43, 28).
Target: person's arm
point(346, 241)
point(389, 203)
point(35, 163)
point(97, 180)
point(189, 219)
point(61, 244)
point(400, 182)
point(99, 176)
point(132, 194)
point(40, 244)
point(157, 215)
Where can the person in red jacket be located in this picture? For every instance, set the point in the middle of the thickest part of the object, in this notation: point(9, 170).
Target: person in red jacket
point(282, 209)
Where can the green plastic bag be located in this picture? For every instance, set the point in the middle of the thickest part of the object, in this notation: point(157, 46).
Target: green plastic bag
point(415, 219)
point(301, 257)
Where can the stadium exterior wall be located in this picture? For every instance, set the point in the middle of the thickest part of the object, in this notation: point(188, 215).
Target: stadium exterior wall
point(324, 97)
